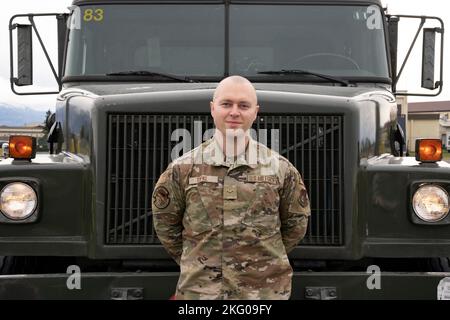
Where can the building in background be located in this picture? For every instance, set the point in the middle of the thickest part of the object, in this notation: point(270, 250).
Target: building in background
point(33, 130)
point(36, 131)
point(428, 120)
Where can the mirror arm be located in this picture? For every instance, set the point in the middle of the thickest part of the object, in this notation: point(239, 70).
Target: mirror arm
point(441, 31)
point(422, 22)
point(11, 62)
point(62, 34)
point(45, 51)
point(13, 26)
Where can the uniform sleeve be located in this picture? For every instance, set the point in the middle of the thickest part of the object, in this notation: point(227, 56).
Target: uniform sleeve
point(294, 209)
point(168, 210)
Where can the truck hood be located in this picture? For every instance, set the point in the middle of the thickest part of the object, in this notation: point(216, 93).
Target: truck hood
point(110, 89)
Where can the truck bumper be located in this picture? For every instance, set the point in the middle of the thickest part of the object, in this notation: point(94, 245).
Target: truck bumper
point(369, 286)
point(161, 285)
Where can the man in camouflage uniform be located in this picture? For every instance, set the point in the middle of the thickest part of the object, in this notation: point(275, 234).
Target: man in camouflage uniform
point(229, 213)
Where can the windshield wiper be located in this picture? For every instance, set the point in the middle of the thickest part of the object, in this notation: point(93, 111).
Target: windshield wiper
point(298, 71)
point(150, 74)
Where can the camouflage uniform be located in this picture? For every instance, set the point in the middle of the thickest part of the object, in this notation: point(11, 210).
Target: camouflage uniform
point(230, 224)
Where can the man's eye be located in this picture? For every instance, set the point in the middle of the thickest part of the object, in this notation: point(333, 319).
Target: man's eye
point(245, 106)
point(226, 104)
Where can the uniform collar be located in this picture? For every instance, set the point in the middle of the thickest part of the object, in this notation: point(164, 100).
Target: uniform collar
point(213, 155)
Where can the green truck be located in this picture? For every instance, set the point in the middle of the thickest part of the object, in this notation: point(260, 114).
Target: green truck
point(135, 79)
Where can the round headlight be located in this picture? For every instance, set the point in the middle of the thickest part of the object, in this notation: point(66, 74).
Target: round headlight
point(431, 203)
point(18, 201)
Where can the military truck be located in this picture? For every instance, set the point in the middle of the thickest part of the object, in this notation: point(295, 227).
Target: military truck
point(134, 83)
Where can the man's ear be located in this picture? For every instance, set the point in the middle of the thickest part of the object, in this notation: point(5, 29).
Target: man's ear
point(211, 106)
point(256, 113)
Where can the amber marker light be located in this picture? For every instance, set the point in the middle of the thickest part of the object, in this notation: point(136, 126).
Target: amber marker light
point(428, 150)
point(22, 147)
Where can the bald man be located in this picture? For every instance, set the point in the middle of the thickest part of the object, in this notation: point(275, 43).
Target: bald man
point(229, 211)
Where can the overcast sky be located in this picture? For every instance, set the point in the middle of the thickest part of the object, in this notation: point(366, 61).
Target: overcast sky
point(411, 76)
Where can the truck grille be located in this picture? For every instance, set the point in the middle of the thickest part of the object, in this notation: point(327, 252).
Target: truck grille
point(140, 147)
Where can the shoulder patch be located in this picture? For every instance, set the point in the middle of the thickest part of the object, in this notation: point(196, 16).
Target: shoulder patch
point(161, 197)
point(303, 199)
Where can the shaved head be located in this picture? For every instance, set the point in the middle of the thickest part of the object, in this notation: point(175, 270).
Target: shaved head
point(234, 106)
point(235, 80)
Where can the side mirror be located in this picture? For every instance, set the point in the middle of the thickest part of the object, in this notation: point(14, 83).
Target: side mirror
point(432, 53)
point(398, 141)
point(24, 56)
point(429, 39)
point(25, 50)
point(49, 121)
point(55, 136)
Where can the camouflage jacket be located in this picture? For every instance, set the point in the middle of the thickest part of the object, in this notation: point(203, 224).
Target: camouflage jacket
point(230, 224)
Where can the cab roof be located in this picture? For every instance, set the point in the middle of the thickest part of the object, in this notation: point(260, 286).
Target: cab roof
point(325, 2)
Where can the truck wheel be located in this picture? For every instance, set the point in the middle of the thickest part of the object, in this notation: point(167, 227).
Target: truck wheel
point(440, 264)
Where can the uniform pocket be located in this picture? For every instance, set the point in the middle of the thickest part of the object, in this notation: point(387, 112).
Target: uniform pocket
point(203, 207)
point(262, 215)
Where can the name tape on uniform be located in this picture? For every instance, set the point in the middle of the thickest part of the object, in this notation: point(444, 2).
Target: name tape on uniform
point(268, 179)
point(195, 180)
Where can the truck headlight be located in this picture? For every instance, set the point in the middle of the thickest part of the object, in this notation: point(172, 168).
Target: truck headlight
point(431, 203)
point(18, 201)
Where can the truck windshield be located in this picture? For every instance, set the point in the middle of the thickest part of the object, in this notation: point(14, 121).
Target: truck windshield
point(193, 40)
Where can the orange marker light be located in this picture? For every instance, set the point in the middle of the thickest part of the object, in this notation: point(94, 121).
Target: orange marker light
point(428, 150)
point(22, 147)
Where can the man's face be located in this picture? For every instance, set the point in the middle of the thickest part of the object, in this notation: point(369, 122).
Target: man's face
point(234, 107)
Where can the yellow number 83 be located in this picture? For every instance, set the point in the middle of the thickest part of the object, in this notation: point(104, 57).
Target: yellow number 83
point(90, 14)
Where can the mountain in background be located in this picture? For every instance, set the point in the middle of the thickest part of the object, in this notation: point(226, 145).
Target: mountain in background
point(19, 116)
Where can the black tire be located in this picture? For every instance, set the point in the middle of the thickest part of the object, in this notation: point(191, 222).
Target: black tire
point(440, 264)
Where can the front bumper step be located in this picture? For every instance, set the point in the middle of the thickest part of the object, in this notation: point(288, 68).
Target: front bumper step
point(161, 285)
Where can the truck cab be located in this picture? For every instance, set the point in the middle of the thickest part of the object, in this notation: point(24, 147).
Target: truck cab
point(134, 80)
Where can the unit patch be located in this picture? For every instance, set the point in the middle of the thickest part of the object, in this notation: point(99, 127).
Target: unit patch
point(161, 197)
point(303, 199)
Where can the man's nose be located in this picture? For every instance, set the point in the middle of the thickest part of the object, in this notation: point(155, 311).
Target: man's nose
point(234, 112)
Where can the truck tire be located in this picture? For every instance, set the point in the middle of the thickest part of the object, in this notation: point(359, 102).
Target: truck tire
point(440, 264)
